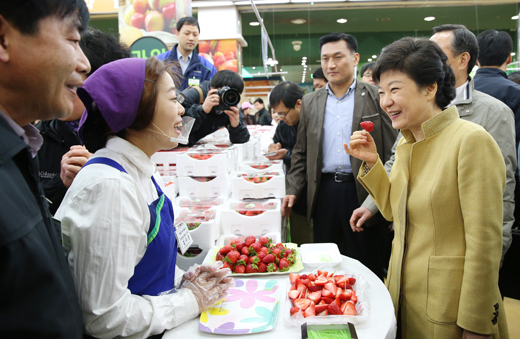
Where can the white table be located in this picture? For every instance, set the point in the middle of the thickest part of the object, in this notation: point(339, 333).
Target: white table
point(380, 324)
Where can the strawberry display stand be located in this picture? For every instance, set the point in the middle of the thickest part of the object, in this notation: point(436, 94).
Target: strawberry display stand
point(260, 185)
point(201, 204)
point(204, 162)
point(256, 218)
point(171, 184)
point(166, 161)
point(261, 166)
point(204, 187)
point(203, 226)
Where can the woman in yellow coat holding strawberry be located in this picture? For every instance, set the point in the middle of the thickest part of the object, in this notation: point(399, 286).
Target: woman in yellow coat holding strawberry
point(444, 195)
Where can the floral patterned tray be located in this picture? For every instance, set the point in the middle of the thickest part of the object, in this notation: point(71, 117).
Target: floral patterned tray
point(251, 307)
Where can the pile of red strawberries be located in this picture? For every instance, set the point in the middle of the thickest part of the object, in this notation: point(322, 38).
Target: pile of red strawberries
point(251, 256)
point(322, 294)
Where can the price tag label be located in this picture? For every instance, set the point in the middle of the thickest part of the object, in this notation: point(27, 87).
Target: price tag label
point(184, 239)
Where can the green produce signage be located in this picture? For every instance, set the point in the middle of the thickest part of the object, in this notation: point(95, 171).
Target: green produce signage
point(147, 46)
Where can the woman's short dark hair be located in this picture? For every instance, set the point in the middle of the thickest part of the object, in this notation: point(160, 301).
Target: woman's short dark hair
point(96, 131)
point(287, 92)
point(423, 61)
point(227, 78)
point(366, 67)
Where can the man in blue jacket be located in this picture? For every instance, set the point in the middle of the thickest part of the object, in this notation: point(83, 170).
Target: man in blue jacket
point(194, 68)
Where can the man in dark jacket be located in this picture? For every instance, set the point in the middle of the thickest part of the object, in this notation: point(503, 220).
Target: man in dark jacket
point(286, 101)
point(263, 115)
point(203, 103)
point(61, 155)
point(185, 60)
point(40, 73)
point(491, 78)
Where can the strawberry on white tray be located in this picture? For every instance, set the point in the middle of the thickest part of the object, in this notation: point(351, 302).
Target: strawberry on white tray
point(326, 297)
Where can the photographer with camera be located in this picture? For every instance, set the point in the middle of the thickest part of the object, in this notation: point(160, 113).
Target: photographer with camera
point(214, 105)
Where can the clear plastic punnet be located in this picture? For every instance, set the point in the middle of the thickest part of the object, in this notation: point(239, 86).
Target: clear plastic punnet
point(205, 162)
point(257, 166)
point(259, 185)
point(204, 226)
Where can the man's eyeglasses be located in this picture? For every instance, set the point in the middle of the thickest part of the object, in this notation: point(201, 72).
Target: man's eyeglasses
point(283, 115)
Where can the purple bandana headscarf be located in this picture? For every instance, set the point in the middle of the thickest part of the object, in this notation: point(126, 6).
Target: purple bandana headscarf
point(115, 89)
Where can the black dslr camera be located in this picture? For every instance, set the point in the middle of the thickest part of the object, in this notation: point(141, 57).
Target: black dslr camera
point(229, 97)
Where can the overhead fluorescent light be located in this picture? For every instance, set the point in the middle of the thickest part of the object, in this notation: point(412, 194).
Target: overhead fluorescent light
point(198, 4)
point(369, 59)
point(298, 21)
point(342, 20)
point(429, 18)
point(514, 17)
point(254, 23)
point(374, 56)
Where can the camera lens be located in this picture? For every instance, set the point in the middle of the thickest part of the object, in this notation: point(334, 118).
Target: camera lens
point(231, 97)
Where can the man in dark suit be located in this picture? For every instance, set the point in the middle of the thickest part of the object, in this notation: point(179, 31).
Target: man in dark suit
point(328, 118)
point(263, 115)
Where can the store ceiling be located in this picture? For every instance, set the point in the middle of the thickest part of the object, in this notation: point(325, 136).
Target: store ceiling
point(373, 27)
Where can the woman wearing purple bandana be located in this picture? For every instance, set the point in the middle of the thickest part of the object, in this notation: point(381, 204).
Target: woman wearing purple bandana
point(117, 224)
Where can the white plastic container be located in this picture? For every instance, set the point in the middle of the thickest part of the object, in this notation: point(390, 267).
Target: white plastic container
point(261, 166)
point(166, 161)
point(206, 234)
point(171, 184)
point(201, 204)
point(204, 162)
point(237, 221)
point(315, 255)
point(243, 188)
point(216, 187)
point(184, 262)
point(225, 239)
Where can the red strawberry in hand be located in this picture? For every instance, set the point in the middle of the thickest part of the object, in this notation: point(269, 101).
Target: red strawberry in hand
point(367, 125)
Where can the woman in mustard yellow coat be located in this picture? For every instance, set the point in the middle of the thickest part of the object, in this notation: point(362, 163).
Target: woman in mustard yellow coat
point(444, 195)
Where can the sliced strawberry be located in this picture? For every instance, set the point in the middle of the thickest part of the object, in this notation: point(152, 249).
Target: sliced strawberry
point(293, 277)
point(314, 288)
point(338, 292)
point(323, 314)
point(351, 281)
point(330, 275)
point(334, 309)
point(347, 295)
point(311, 276)
point(303, 276)
point(324, 273)
point(340, 280)
point(320, 281)
point(306, 282)
point(350, 309)
point(301, 288)
point(327, 300)
point(337, 301)
point(321, 308)
point(310, 311)
point(322, 302)
point(354, 299)
point(302, 303)
point(327, 294)
point(320, 272)
point(294, 294)
point(295, 310)
point(314, 296)
point(331, 287)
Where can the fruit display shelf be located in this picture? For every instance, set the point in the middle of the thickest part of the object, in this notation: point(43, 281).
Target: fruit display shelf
point(260, 185)
point(204, 187)
point(203, 226)
point(255, 218)
point(205, 162)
